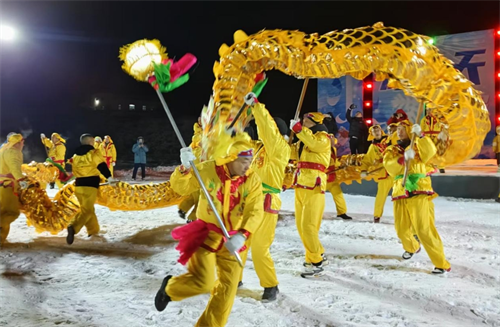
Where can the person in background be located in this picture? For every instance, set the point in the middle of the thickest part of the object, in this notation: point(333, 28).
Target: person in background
point(496, 147)
point(358, 131)
point(56, 151)
point(397, 117)
point(109, 152)
point(139, 149)
point(98, 143)
point(331, 124)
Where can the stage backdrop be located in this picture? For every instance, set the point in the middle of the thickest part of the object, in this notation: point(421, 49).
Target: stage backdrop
point(472, 53)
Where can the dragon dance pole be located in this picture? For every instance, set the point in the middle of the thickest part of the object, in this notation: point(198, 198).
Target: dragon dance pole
point(299, 106)
point(197, 174)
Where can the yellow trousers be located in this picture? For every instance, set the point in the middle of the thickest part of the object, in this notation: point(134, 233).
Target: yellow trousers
point(383, 188)
point(200, 279)
point(188, 203)
point(260, 242)
point(309, 208)
point(9, 211)
point(338, 197)
point(87, 197)
point(418, 212)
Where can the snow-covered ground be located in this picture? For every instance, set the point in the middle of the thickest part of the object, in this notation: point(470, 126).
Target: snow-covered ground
point(112, 280)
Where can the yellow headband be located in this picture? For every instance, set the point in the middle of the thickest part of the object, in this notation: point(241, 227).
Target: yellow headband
point(316, 117)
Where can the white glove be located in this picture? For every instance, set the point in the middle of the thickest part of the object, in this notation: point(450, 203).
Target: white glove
point(409, 154)
point(442, 136)
point(112, 181)
point(187, 156)
point(293, 122)
point(235, 243)
point(250, 99)
point(416, 129)
point(42, 136)
point(113, 164)
point(23, 185)
point(364, 174)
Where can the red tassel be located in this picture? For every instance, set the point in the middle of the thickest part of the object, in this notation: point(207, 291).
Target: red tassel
point(180, 67)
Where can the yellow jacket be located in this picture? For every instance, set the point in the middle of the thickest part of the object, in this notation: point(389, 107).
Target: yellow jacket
point(196, 141)
point(496, 144)
point(314, 159)
point(418, 181)
point(10, 165)
point(88, 163)
point(271, 158)
point(331, 174)
point(373, 159)
point(57, 151)
point(109, 151)
point(238, 200)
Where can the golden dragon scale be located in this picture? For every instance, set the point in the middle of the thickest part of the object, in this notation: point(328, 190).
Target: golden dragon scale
point(54, 215)
point(405, 58)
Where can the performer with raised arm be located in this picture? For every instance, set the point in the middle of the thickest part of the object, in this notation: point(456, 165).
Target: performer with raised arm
point(313, 152)
point(412, 201)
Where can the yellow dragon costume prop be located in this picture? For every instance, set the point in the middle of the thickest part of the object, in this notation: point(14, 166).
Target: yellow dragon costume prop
point(406, 59)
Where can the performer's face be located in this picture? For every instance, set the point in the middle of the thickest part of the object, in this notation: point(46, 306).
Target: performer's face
point(19, 145)
point(402, 135)
point(392, 129)
point(377, 133)
point(54, 139)
point(240, 166)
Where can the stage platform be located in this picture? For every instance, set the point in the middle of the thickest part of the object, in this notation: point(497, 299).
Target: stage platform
point(473, 179)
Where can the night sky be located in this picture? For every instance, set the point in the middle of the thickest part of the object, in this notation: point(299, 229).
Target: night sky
point(68, 50)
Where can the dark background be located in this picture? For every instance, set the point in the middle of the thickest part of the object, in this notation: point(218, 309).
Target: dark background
point(67, 51)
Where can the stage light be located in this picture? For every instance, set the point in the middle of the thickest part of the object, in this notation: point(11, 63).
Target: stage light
point(498, 53)
point(369, 121)
point(369, 85)
point(498, 75)
point(498, 32)
point(368, 104)
point(7, 33)
point(431, 41)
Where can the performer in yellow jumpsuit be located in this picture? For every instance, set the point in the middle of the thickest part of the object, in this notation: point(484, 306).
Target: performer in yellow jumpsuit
point(411, 201)
point(98, 144)
point(314, 151)
point(88, 163)
point(496, 147)
point(270, 160)
point(332, 186)
point(57, 151)
point(192, 200)
point(108, 150)
point(237, 195)
point(373, 160)
point(11, 181)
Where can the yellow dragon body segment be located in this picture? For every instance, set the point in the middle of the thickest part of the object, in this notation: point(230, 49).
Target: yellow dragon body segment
point(54, 215)
point(405, 58)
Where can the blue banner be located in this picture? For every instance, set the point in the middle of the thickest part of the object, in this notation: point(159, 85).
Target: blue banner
point(334, 97)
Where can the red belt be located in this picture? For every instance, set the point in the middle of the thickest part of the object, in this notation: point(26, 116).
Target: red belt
point(311, 165)
point(10, 176)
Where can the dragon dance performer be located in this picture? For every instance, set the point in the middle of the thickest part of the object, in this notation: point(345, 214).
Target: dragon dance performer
point(271, 158)
point(98, 144)
point(108, 150)
point(436, 131)
point(88, 163)
point(374, 159)
point(56, 151)
point(11, 181)
point(192, 200)
point(313, 151)
point(413, 207)
point(237, 195)
point(332, 185)
point(496, 146)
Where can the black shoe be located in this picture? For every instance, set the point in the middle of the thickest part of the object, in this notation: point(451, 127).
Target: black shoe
point(133, 178)
point(442, 171)
point(376, 220)
point(161, 298)
point(52, 185)
point(240, 284)
point(270, 294)
point(440, 271)
point(182, 214)
point(497, 200)
point(70, 238)
point(407, 255)
point(344, 216)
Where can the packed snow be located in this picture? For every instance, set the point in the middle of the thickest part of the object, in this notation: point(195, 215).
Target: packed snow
point(111, 280)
